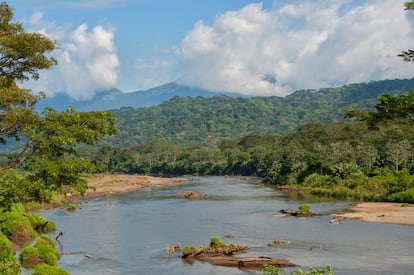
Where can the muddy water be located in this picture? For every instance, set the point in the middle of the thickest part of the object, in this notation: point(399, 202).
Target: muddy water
point(128, 233)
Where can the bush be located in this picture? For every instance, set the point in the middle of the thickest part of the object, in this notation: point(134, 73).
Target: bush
point(71, 207)
point(44, 269)
point(305, 207)
point(216, 242)
point(44, 251)
point(40, 224)
point(405, 196)
point(8, 260)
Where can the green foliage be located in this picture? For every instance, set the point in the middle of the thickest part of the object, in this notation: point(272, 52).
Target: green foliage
point(205, 121)
point(49, 140)
point(8, 260)
point(187, 250)
point(44, 269)
point(71, 207)
point(273, 270)
point(404, 196)
point(40, 224)
point(305, 207)
point(216, 242)
point(44, 251)
point(12, 223)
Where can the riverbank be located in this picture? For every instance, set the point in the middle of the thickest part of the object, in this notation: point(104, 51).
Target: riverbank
point(383, 212)
point(109, 184)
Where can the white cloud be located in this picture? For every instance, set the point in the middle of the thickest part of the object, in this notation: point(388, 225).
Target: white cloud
point(302, 44)
point(87, 60)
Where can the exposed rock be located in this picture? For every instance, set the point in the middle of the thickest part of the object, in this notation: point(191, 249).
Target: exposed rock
point(296, 213)
point(253, 263)
point(189, 195)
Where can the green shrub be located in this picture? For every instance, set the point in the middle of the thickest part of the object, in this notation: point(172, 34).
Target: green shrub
point(14, 224)
point(405, 196)
point(305, 207)
point(8, 260)
point(44, 269)
point(71, 207)
point(30, 257)
point(40, 224)
point(188, 250)
point(216, 242)
point(44, 251)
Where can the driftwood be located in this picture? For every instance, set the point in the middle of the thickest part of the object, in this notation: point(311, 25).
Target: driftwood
point(214, 251)
point(296, 213)
point(223, 256)
point(172, 249)
point(254, 263)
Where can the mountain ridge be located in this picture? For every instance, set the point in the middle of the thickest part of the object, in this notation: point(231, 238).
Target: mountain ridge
point(115, 98)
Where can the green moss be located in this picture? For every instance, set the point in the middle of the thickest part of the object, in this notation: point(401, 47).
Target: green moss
point(44, 269)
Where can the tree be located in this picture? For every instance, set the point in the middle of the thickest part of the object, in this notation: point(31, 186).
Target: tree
point(399, 108)
point(408, 55)
point(50, 139)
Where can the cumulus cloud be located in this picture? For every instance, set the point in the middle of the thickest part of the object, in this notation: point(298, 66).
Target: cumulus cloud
point(87, 60)
point(301, 44)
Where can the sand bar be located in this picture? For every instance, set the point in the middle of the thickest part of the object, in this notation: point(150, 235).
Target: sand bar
point(384, 212)
point(108, 184)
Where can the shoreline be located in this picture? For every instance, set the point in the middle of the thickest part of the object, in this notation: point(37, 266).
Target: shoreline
point(383, 212)
point(106, 184)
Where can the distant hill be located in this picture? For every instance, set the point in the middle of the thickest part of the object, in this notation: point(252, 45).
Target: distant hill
point(115, 99)
point(200, 120)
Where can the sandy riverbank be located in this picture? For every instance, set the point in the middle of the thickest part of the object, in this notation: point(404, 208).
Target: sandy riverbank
point(381, 212)
point(109, 184)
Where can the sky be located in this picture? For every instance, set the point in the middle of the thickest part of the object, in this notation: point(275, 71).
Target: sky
point(260, 48)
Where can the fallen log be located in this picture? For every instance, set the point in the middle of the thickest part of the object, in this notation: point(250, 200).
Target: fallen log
point(295, 213)
point(252, 263)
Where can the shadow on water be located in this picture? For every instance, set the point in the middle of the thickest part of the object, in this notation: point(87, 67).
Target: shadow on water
point(129, 233)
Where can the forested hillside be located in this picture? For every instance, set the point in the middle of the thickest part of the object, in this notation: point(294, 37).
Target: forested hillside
point(198, 121)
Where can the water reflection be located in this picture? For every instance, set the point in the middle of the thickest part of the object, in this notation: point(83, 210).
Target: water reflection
point(128, 234)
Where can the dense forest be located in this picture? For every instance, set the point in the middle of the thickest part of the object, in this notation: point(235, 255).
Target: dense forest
point(369, 157)
point(203, 121)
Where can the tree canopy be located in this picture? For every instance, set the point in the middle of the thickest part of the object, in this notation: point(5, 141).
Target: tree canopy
point(49, 140)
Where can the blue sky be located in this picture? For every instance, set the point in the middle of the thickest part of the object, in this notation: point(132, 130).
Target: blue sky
point(252, 47)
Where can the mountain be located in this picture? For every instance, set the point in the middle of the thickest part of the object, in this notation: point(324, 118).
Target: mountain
point(193, 121)
point(115, 99)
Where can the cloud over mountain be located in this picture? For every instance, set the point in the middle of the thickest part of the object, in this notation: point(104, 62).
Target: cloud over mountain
point(87, 60)
point(301, 44)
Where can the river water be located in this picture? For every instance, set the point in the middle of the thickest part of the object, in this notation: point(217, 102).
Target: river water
point(129, 233)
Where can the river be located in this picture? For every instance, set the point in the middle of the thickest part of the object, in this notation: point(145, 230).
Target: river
point(129, 233)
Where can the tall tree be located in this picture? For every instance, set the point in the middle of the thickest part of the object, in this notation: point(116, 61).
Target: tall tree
point(50, 139)
point(408, 55)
